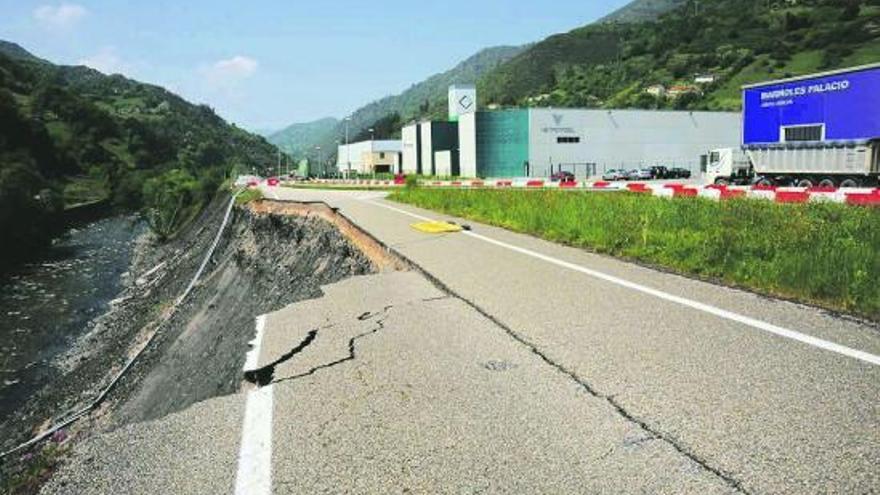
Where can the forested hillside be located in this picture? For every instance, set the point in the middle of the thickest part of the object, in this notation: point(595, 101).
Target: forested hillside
point(427, 98)
point(641, 11)
point(728, 42)
point(297, 138)
point(71, 135)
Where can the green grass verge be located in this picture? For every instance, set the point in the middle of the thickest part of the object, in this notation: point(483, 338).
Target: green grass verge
point(248, 195)
point(821, 253)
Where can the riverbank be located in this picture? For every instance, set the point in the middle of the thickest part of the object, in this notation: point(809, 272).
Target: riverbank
point(47, 305)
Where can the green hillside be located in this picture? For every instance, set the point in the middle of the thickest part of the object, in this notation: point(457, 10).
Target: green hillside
point(298, 139)
point(641, 11)
point(71, 135)
point(427, 98)
point(735, 42)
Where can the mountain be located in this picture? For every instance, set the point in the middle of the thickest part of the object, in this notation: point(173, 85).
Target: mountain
point(427, 98)
point(15, 51)
point(611, 64)
point(72, 135)
point(298, 139)
point(641, 11)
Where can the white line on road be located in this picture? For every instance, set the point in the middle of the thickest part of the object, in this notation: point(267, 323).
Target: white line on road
point(252, 359)
point(706, 308)
point(254, 475)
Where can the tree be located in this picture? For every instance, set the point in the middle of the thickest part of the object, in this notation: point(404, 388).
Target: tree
point(166, 197)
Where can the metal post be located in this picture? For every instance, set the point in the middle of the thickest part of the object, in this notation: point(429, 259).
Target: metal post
point(373, 150)
point(347, 149)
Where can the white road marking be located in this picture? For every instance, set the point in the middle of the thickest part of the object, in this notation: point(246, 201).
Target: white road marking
point(706, 308)
point(253, 356)
point(254, 475)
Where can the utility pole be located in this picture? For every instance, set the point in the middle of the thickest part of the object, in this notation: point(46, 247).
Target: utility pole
point(373, 151)
point(347, 150)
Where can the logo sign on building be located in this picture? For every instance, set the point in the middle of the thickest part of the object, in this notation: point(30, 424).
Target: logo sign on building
point(462, 101)
point(558, 127)
point(847, 105)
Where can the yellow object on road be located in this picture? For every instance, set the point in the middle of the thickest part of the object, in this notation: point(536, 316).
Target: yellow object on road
point(437, 227)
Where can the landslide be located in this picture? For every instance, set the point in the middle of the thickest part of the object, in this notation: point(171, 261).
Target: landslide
point(264, 261)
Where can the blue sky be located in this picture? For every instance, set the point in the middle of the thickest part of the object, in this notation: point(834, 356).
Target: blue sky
point(267, 63)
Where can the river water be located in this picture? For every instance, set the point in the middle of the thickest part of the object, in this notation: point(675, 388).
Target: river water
point(47, 304)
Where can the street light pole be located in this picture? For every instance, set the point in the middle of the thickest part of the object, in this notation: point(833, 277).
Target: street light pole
point(373, 151)
point(347, 149)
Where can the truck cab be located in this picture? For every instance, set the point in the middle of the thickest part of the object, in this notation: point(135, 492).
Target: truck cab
point(728, 166)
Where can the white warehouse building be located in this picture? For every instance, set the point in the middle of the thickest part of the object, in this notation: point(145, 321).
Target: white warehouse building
point(540, 141)
point(368, 157)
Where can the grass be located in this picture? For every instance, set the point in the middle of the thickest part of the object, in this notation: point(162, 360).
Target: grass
point(820, 253)
point(248, 195)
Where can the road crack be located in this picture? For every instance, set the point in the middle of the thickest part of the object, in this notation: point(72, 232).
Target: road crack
point(352, 345)
point(654, 433)
point(263, 376)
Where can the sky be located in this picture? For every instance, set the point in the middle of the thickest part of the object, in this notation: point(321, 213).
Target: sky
point(265, 64)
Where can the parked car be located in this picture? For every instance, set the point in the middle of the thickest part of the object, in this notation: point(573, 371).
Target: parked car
point(643, 174)
point(615, 174)
point(660, 172)
point(562, 177)
point(272, 181)
point(680, 173)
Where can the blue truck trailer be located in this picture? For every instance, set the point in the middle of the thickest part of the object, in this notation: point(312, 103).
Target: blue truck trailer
point(817, 130)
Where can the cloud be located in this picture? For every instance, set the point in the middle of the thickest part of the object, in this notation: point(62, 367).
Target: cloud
point(63, 16)
point(107, 60)
point(227, 74)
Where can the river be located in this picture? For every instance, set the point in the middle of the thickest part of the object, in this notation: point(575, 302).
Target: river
point(47, 304)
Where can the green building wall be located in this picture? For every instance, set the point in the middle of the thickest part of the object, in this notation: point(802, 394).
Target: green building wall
point(502, 143)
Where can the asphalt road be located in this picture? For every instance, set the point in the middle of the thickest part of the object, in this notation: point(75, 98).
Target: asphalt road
point(522, 367)
point(769, 413)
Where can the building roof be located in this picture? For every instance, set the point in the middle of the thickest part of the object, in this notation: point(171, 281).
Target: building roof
point(378, 145)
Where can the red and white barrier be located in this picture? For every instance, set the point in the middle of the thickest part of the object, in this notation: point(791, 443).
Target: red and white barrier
point(853, 196)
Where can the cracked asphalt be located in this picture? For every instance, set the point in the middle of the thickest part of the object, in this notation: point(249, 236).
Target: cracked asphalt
point(424, 394)
point(764, 413)
point(487, 371)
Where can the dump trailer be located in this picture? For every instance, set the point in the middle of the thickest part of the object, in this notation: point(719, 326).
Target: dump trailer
point(818, 130)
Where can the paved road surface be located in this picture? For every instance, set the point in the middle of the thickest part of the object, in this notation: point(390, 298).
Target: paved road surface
point(537, 368)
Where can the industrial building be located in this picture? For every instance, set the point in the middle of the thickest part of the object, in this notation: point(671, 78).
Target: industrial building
point(369, 157)
point(431, 147)
point(537, 142)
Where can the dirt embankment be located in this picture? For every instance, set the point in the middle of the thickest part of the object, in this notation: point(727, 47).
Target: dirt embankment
point(270, 255)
